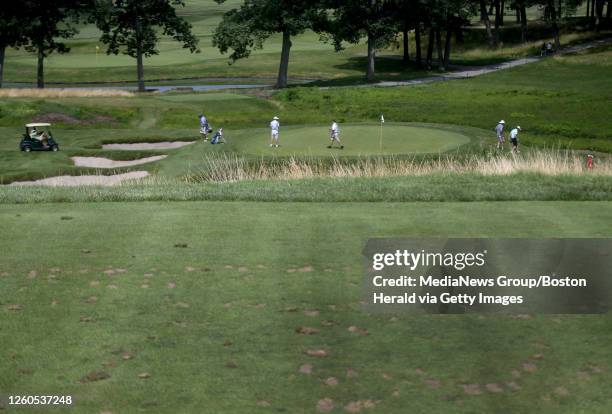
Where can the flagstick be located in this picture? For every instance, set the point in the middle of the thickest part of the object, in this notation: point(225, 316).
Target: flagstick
point(381, 137)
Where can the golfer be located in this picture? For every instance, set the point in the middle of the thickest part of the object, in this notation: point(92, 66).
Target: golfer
point(274, 127)
point(514, 139)
point(334, 133)
point(499, 130)
point(204, 127)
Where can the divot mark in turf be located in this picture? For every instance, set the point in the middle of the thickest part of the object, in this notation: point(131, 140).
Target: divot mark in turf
point(584, 376)
point(331, 381)
point(94, 376)
point(529, 367)
point(325, 405)
point(144, 375)
point(494, 388)
point(471, 389)
point(14, 307)
point(126, 356)
point(562, 391)
point(351, 373)
point(316, 353)
point(358, 406)
point(305, 330)
point(263, 403)
point(432, 383)
point(306, 269)
point(306, 369)
point(357, 330)
point(311, 312)
point(32, 274)
point(91, 300)
point(513, 386)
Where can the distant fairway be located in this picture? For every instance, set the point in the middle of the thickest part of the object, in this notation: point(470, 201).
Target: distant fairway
point(358, 139)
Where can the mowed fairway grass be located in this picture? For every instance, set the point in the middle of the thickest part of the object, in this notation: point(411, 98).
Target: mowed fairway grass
point(193, 307)
point(358, 139)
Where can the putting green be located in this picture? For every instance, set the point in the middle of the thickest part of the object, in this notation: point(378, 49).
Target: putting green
point(358, 139)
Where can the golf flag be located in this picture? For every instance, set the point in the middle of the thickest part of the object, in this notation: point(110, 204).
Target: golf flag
point(382, 119)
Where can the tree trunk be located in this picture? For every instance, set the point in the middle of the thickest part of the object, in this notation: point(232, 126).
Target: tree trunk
point(40, 73)
point(518, 15)
point(555, 27)
point(608, 11)
point(599, 5)
point(502, 9)
point(406, 57)
point(417, 40)
point(588, 11)
point(430, 42)
point(484, 16)
point(447, 47)
point(440, 51)
point(497, 21)
point(523, 13)
point(2, 52)
point(140, 69)
point(371, 73)
point(139, 58)
point(283, 71)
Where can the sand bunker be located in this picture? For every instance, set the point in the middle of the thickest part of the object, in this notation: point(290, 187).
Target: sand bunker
point(148, 146)
point(95, 162)
point(79, 180)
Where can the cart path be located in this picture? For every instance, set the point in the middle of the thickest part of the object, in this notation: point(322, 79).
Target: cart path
point(483, 70)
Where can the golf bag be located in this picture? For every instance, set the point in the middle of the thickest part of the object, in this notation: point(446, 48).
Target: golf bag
point(217, 138)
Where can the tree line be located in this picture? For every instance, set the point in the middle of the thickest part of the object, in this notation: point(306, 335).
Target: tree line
point(133, 27)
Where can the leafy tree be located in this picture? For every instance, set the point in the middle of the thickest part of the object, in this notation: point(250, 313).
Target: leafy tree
point(247, 28)
point(409, 15)
point(44, 24)
point(484, 17)
point(352, 20)
point(11, 30)
point(131, 27)
point(447, 16)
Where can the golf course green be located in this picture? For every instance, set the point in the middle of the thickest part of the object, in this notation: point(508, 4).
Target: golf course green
point(358, 139)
